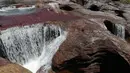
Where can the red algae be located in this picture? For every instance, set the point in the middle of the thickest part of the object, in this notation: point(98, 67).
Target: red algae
point(42, 15)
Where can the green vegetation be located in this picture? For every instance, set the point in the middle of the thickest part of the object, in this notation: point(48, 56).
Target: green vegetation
point(125, 1)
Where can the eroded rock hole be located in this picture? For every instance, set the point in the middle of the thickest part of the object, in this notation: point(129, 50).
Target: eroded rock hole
point(127, 35)
point(73, 65)
point(94, 8)
point(119, 13)
point(109, 62)
point(114, 63)
point(116, 29)
point(109, 26)
point(66, 7)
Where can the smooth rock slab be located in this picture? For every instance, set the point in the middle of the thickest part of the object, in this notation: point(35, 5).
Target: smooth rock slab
point(13, 68)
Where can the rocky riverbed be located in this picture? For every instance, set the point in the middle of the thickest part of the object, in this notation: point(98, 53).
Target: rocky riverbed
point(97, 41)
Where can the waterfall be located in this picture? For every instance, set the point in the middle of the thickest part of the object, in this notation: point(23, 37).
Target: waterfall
point(116, 29)
point(32, 46)
point(119, 30)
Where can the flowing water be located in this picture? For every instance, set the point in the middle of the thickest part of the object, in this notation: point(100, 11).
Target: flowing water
point(119, 30)
point(32, 46)
point(12, 10)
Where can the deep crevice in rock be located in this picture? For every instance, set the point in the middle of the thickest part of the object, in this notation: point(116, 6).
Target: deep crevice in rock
point(114, 63)
point(116, 29)
point(72, 65)
point(109, 63)
point(127, 35)
point(66, 7)
point(120, 13)
point(94, 8)
point(109, 26)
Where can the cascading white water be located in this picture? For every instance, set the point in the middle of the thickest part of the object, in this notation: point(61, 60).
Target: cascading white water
point(119, 30)
point(12, 10)
point(32, 46)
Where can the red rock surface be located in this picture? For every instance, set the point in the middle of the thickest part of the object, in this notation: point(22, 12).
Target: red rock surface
point(3, 61)
point(88, 42)
point(40, 16)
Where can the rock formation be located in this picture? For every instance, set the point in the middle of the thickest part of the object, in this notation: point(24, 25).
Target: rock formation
point(87, 48)
point(8, 67)
point(13, 68)
point(97, 40)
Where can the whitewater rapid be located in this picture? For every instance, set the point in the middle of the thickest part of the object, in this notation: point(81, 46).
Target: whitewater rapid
point(12, 10)
point(32, 46)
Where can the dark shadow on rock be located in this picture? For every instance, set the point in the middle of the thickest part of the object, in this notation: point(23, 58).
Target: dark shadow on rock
point(66, 7)
point(94, 7)
point(114, 63)
point(127, 35)
point(2, 51)
point(115, 0)
point(109, 62)
point(120, 13)
point(72, 65)
point(109, 26)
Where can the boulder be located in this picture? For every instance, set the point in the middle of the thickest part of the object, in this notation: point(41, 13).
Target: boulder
point(90, 47)
point(13, 68)
point(8, 67)
point(119, 8)
point(88, 43)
